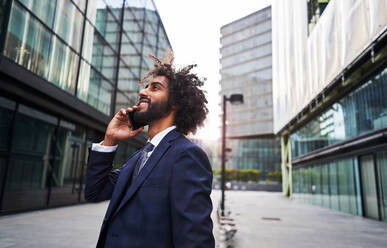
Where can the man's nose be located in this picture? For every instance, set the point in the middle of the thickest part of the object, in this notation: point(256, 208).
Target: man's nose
point(142, 92)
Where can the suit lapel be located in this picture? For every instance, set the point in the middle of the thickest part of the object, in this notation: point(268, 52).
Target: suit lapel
point(122, 183)
point(150, 164)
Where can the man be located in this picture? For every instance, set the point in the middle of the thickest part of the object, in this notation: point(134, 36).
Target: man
point(161, 196)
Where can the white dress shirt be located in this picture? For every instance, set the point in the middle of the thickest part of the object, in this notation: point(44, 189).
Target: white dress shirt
point(98, 147)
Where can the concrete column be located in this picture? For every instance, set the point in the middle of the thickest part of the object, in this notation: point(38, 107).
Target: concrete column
point(286, 164)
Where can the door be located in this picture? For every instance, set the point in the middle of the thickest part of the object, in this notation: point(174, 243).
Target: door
point(66, 179)
point(381, 161)
point(369, 188)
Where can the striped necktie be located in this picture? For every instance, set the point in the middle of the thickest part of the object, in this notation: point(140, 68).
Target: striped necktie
point(142, 159)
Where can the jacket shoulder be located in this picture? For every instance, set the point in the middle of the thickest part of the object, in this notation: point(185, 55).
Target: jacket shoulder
point(184, 144)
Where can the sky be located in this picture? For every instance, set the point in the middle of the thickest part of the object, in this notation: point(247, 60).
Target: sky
point(193, 28)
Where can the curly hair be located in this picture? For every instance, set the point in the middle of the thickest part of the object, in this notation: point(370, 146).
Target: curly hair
point(184, 93)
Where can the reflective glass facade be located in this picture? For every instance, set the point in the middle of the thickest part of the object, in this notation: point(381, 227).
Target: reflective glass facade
point(246, 68)
point(28, 41)
point(329, 97)
point(263, 154)
point(381, 161)
point(361, 111)
point(353, 180)
point(355, 185)
point(92, 54)
point(42, 158)
point(333, 185)
point(2, 12)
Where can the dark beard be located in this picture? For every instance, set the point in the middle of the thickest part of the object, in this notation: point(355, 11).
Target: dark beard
point(155, 111)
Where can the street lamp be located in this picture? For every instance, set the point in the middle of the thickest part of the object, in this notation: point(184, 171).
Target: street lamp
point(233, 99)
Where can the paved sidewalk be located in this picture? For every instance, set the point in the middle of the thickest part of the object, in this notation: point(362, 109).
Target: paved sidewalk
point(73, 226)
point(299, 226)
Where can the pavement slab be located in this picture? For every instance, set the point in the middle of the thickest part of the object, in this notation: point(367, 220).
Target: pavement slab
point(72, 226)
point(264, 220)
point(270, 220)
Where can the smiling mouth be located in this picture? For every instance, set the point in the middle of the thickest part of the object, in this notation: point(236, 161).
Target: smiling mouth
point(143, 102)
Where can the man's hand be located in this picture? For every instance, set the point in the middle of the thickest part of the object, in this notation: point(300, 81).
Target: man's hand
point(119, 128)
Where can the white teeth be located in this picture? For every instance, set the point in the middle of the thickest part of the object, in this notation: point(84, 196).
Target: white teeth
point(143, 103)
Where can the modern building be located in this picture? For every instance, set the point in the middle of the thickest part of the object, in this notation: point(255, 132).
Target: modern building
point(66, 66)
point(330, 104)
point(246, 68)
point(212, 149)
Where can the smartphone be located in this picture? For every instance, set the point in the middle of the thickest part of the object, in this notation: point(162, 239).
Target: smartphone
point(134, 125)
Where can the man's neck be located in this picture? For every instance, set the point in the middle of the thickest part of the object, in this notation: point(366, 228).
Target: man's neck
point(160, 125)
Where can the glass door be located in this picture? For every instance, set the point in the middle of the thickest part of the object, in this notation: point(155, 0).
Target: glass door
point(82, 168)
point(369, 188)
point(66, 179)
point(381, 161)
point(26, 179)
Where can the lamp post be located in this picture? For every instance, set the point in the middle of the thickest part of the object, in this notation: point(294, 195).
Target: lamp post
point(233, 99)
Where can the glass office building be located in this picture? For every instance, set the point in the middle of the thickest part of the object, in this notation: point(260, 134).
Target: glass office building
point(356, 181)
point(246, 68)
point(330, 101)
point(66, 66)
point(263, 154)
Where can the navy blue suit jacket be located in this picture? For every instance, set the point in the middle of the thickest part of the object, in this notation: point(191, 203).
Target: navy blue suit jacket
point(168, 204)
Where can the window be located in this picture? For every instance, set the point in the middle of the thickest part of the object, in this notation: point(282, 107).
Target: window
point(96, 91)
point(103, 58)
point(332, 185)
point(69, 23)
point(7, 108)
point(63, 66)
point(108, 27)
point(361, 111)
point(26, 183)
point(3, 3)
point(127, 81)
point(83, 81)
point(43, 9)
point(81, 4)
point(382, 171)
point(258, 153)
point(124, 101)
point(68, 164)
point(88, 42)
point(315, 10)
point(27, 42)
point(105, 95)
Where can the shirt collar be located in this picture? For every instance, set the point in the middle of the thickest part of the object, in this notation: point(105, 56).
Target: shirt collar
point(158, 137)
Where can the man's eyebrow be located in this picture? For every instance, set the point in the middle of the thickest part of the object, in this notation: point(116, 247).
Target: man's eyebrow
point(156, 82)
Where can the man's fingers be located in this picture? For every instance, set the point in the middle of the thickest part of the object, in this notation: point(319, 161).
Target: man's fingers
point(132, 108)
point(135, 132)
point(121, 112)
point(121, 115)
